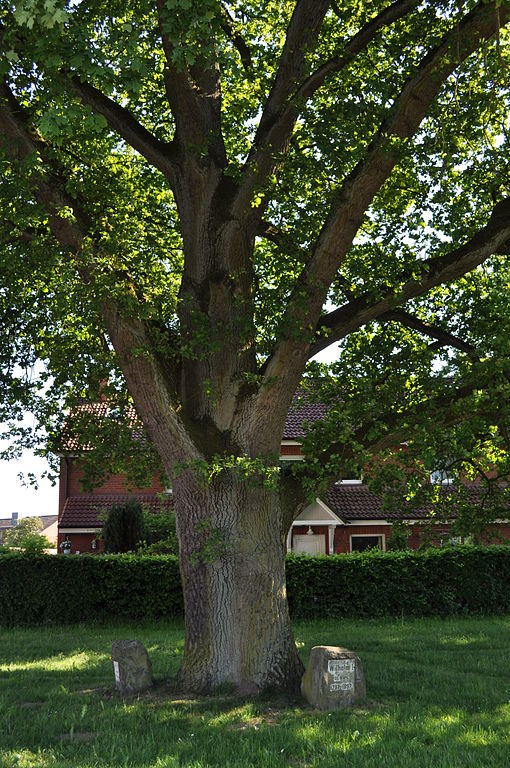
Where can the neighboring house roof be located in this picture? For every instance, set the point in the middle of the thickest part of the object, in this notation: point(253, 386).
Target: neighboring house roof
point(91, 415)
point(357, 502)
point(87, 510)
point(48, 520)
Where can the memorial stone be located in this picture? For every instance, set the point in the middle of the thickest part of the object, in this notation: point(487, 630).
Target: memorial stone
point(334, 678)
point(131, 667)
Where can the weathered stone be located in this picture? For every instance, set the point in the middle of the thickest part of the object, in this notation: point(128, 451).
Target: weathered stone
point(333, 679)
point(131, 666)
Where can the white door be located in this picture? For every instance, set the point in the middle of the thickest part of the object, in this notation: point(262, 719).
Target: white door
point(310, 545)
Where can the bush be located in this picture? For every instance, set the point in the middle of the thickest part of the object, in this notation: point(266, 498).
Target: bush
point(27, 536)
point(160, 534)
point(438, 582)
point(65, 590)
point(124, 527)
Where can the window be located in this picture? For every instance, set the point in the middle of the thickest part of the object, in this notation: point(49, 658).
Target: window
point(366, 541)
point(441, 477)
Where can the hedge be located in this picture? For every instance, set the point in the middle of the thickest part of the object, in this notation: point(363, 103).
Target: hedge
point(434, 582)
point(65, 589)
point(43, 589)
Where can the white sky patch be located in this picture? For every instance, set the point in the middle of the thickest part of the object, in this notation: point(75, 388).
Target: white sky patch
point(26, 500)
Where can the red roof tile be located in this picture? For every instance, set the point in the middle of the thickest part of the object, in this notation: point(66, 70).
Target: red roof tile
point(88, 510)
point(303, 409)
point(91, 415)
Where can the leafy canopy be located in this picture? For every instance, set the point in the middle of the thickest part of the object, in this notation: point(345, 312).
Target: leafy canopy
point(96, 88)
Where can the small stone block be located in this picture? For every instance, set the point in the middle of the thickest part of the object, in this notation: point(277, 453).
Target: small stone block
point(132, 667)
point(334, 678)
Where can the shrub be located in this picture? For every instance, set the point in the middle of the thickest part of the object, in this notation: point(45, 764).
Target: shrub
point(160, 534)
point(124, 527)
point(65, 590)
point(435, 582)
point(27, 537)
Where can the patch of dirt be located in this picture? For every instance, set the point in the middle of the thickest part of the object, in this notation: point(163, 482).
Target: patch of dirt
point(79, 737)
point(270, 718)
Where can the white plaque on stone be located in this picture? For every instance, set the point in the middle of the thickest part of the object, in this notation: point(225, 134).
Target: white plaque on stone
point(333, 679)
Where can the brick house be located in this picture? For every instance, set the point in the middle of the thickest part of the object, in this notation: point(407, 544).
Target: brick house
point(348, 518)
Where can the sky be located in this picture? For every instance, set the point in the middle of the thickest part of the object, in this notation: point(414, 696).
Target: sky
point(26, 501)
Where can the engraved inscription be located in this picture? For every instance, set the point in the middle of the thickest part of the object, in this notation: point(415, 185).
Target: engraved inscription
point(116, 671)
point(342, 671)
point(340, 666)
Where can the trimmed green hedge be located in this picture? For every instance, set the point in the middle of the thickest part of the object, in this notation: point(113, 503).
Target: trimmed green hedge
point(65, 589)
point(435, 582)
point(438, 582)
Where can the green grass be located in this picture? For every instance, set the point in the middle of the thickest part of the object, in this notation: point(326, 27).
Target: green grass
point(438, 696)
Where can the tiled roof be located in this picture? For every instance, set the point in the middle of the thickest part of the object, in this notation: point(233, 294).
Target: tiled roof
point(88, 510)
point(91, 414)
point(46, 521)
point(302, 409)
point(357, 502)
point(354, 502)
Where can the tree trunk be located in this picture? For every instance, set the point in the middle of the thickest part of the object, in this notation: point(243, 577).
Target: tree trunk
point(232, 560)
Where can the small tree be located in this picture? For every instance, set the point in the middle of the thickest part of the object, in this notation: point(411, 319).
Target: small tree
point(27, 536)
point(124, 527)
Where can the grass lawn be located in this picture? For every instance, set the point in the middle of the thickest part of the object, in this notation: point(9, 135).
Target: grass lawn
point(438, 695)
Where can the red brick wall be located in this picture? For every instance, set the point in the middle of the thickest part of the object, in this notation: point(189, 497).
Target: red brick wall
point(114, 484)
point(343, 533)
point(80, 542)
point(302, 530)
point(496, 533)
point(441, 533)
point(290, 450)
point(62, 484)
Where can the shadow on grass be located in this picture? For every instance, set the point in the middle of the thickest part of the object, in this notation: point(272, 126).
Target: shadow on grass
point(438, 692)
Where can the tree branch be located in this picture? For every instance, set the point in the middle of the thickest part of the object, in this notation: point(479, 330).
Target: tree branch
point(158, 153)
point(367, 178)
point(436, 271)
point(21, 142)
point(127, 333)
point(284, 103)
point(359, 42)
point(194, 96)
point(445, 338)
point(394, 424)
point(302, 34)
point(237, 40)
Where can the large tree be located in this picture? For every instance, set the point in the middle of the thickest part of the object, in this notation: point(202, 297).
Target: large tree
point(204, 195)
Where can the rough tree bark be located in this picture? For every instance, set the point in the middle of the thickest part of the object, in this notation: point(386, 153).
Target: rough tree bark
point(233, 573)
